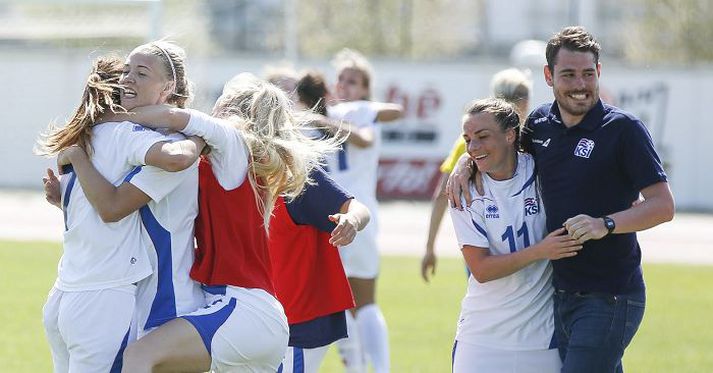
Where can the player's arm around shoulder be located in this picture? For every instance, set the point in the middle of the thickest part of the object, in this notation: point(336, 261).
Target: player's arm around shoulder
point(111, 203)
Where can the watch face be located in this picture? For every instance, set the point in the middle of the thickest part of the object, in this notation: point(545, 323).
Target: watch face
point(609, 223)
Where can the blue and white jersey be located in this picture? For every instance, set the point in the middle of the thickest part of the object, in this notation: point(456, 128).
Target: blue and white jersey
point(100, 255)
point(352, 167)
point(168, 222)
point(513, 312)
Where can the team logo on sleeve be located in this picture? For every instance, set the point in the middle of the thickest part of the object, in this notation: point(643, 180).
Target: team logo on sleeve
point(491, 212)
point(531, 206)
point(584, 148)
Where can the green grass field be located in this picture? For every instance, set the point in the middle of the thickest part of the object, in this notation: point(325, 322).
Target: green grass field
point(675, 337)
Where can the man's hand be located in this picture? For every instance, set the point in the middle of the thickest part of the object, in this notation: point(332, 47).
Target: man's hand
point(345, 231)
point(52, 191)
point(457, 184)
point(584, 228)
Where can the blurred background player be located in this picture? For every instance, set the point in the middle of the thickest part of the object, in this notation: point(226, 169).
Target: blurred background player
point(354, 167)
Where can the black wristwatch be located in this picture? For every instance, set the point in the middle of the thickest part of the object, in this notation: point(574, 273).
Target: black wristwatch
point(609, 224)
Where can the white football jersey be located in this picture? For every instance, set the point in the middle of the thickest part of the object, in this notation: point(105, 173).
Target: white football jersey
point(100, 255)
point(352, 167)
point(228, 153)
point(168, 221)
point(513, 312)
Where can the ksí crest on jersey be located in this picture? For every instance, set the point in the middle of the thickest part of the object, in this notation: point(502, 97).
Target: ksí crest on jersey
point(531, 206)
point(584, 148)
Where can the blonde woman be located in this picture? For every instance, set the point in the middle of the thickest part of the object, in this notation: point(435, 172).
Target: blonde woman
point(257, 153)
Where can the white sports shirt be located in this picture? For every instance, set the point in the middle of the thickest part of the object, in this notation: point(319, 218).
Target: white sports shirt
point(228, 154)
point(168, 222)
point(513, 312)
point(352, 167)
point(100, 255)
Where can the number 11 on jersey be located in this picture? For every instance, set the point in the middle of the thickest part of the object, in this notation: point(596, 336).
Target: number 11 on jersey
point(510, 237)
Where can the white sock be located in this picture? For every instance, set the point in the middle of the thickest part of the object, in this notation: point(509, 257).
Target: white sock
point(374, 336)
point(350, 348)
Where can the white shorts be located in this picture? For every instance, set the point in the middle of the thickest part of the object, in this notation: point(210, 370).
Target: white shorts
point(303, 360)
point(88, 330)
point(242, 329)
point(469, 358)
point(361, 257)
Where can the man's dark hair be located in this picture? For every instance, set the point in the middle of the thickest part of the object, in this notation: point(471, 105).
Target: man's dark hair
point(571, 38)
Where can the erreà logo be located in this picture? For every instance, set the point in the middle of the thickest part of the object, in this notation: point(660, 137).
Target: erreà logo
point(491, 212)
point(584, 148)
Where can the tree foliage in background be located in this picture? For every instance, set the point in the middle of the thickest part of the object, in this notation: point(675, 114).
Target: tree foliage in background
point(398, 28)
point(672, 31)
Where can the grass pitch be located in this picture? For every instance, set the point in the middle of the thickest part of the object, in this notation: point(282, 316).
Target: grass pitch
point(675, 336)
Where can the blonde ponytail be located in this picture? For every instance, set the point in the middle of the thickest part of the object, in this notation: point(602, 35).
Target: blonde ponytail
point(101, 93)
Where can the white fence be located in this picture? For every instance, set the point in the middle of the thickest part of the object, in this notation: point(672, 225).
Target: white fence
point(40, 86)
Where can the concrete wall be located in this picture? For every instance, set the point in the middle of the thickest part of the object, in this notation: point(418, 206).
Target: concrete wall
point(37, 87)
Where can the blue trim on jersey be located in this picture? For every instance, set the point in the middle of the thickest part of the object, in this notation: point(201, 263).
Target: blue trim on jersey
point(527, 183)
point(480, 229)
point(207, 325)
point(298, 360)
point(67, 194)
point(214, 289)
point(453, 354)
point(279, 369)
point(119, 359)
point(163, 308)
point(553, 342)
point(342, 157)
point(133, 172)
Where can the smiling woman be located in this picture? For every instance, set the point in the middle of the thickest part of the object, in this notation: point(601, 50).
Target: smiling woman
point(506, 321)
point(107, 277)
point(155, 73)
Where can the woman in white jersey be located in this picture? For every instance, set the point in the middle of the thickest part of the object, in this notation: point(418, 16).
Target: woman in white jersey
point(355, 168)
point(514, 86)
point(166, 201)
point(506, 322)
point(89, 311)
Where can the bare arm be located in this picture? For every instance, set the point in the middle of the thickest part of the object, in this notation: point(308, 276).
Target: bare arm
point(486, 267)
point(388, 112)
point(111, 203)
point(353, 216)
point(657, 207)
point(362, 138)
point(154, 116)
point(175, 156)
point(439, 203)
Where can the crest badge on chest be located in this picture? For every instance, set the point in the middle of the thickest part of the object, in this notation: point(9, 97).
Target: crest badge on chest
point(584, 148)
